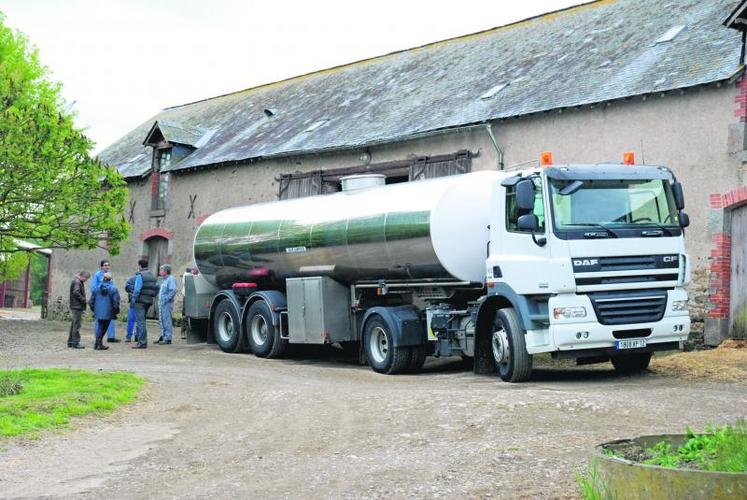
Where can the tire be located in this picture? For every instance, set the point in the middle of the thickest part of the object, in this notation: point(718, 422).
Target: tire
point(378, 344)
point(227, 327)
point(417, 359)
point(512, 361)
point(262, 336)
point(629, 364)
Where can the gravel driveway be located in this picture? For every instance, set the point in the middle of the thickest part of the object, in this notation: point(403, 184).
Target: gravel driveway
point(315, 425)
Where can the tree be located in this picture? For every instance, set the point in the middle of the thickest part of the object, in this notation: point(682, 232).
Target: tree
point(51, 191)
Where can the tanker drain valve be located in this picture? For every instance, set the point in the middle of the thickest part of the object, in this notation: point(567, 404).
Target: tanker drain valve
point(383, 288)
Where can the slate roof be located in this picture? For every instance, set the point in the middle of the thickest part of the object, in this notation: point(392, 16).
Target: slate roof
point(591, 53)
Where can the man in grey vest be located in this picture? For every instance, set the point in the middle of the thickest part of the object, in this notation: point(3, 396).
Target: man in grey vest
point(143, 295)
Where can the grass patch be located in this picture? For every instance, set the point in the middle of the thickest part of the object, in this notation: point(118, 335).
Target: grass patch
point(591, 486)
point(46, 399)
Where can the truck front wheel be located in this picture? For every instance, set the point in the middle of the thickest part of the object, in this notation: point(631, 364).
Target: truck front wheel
point(226, 329)
point(512, 361)
point(382, 355)
point(264, 338)
point(629, 364)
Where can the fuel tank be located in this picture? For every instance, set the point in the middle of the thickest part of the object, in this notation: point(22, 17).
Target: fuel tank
point(426, 230)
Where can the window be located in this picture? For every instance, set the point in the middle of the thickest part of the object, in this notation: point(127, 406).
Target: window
point(160, 179)
point(512, 210)
point(164, 159)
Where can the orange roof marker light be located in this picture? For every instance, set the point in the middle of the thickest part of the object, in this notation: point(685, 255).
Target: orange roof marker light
point(546, 158)
point(629, 158)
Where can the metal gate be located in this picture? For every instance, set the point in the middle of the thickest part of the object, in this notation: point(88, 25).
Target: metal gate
point(738, 298)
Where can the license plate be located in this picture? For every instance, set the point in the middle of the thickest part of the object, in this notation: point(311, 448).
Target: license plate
point(630, 343)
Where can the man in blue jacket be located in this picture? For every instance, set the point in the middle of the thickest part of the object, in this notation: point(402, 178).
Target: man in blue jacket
point(143, 294)
point(105, 306)
point(96, 281)
point(166, 295)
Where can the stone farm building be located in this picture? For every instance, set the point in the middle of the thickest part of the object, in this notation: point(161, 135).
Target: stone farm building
point(661, 79)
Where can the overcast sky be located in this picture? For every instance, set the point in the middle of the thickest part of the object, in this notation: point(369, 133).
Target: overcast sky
point(120, 62)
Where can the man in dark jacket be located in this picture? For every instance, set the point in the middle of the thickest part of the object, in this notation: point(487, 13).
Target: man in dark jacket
point(143, 294)
point(77, 307)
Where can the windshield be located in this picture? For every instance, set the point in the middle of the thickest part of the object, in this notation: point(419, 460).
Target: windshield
point(612, 203)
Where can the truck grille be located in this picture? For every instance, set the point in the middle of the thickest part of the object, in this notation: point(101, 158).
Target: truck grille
point(595, 273)
point(615, 308)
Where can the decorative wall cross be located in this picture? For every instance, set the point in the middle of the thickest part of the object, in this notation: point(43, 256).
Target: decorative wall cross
point(132, 211)
point(192, 199)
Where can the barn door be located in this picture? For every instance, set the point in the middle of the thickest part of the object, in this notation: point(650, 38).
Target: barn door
point(158, 251)
point(738, 313)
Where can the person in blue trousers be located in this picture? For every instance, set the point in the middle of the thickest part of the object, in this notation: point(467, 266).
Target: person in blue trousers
point(143, 293)
point(129, 288)
point(96, 281)
point(166, 295)
point(105, 306)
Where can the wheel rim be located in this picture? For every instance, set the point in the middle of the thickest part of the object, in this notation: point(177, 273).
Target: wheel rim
point(225, 327)
point(378, 344)
point(258, 329)
point(501, 351)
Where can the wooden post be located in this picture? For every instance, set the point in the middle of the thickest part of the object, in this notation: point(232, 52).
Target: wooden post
point(26, 282)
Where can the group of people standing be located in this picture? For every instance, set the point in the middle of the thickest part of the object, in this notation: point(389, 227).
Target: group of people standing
point(142, 291)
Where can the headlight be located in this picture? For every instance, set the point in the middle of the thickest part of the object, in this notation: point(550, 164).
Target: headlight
point(569, 312)
point(679, 305)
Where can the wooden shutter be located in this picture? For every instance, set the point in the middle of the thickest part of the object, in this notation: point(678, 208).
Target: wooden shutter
point(428, 168)
point(299, 186)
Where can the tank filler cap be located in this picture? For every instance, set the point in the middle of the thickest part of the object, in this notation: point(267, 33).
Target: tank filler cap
point(362, 181)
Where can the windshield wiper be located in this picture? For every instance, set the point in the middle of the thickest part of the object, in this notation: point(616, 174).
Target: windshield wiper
point(596, 224)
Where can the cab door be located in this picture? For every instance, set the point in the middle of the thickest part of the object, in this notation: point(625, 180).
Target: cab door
point(520, 253)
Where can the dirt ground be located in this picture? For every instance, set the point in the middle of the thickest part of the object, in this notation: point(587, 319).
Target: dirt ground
point(315, 425)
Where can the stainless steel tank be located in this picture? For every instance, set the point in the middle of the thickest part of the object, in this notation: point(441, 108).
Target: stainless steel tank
point(426, 230)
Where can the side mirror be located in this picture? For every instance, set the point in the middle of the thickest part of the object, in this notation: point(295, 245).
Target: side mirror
point(684, 219)
point(679, 197)
point(525, 195)
point(527, 222)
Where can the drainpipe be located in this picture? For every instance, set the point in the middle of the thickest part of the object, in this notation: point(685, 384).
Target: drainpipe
point(27, 282)
point(498, 150)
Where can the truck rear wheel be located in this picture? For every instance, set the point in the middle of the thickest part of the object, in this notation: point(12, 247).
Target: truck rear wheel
point(629, 364)
point(226, 329)
point(512, 361)
point(263, 337)
point(382, 355)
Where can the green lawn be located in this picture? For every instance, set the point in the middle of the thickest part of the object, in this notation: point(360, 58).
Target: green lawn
point(46, 399)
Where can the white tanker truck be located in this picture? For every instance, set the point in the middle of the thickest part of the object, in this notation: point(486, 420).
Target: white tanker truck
point(581, 261)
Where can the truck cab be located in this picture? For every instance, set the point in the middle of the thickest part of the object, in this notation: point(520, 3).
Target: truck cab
point(586, 262)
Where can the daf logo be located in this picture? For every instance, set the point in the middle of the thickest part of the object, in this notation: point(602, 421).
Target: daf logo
point(585, 262)
point(670, 258)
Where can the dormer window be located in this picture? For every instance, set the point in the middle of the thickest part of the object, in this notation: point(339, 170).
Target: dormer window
point(171, 142)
